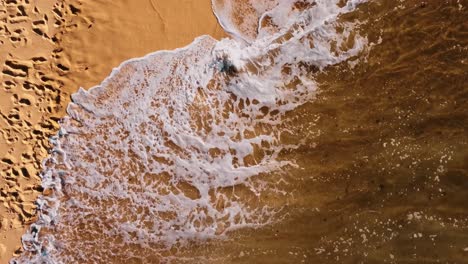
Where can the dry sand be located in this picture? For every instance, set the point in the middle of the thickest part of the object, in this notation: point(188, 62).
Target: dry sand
point(48, 50)
point(381, 185)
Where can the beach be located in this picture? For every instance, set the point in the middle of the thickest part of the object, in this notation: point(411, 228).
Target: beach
point(77, 36)
point(224, 131)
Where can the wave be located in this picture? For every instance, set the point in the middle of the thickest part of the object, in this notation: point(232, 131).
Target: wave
point(149, 160)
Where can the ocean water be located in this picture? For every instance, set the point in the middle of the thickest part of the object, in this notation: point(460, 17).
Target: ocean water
point(323, 132)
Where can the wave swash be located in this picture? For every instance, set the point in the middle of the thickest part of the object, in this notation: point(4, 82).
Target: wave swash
point(144, 162)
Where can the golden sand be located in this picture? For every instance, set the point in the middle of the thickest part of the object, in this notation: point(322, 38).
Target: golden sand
point(48, 50)
point(382, 150)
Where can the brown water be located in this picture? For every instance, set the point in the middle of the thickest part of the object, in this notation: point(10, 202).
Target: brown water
point(383, 160)
point(381, 173)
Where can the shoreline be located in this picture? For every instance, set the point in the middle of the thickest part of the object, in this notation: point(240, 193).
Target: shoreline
point(77, 45)
point(171, 150)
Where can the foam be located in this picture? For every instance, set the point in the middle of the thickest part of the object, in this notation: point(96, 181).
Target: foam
point(151, 158)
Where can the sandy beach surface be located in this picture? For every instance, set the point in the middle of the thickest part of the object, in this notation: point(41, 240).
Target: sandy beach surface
point(337, 136)
point(48, 49)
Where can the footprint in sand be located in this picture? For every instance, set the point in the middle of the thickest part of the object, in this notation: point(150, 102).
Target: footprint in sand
point(32, 70)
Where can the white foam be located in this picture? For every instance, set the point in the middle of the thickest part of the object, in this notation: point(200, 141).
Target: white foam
point(152, 156)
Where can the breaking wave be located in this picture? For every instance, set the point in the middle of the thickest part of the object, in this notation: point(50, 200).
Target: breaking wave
point(178, 146)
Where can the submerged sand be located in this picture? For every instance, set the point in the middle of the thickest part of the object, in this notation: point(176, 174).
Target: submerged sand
point(382, 160)
point(48, 50)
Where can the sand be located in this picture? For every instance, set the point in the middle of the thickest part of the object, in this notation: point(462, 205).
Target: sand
point(48, 50)
point(382, 154)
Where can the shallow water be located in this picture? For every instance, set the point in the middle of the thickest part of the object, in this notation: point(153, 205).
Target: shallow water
point(346, 152)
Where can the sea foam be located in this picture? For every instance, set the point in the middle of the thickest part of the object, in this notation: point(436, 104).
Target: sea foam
point(151, 158)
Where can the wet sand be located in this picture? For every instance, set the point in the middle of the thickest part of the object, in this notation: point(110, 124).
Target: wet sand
point(383, 149)
point(48, 49)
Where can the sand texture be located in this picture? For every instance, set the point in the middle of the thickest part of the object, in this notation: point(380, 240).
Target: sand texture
point(48, 49)
point(375, 158)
